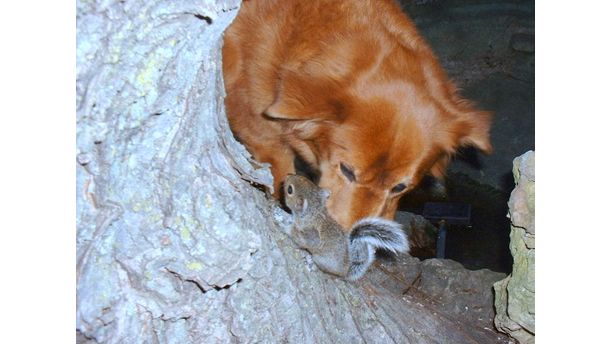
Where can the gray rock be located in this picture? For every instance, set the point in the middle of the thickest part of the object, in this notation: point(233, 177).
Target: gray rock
point(445, 288)
point(464, 293)
point(523, 42)
point(421, 233)
point(515, 295)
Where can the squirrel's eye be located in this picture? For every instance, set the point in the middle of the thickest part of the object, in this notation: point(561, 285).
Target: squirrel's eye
point(348, 173)
point(290, 189)
point(399, 188)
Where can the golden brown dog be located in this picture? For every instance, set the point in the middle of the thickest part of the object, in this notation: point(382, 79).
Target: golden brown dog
point(351, 88)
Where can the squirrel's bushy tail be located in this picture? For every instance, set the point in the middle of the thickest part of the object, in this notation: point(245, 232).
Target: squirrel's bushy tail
point(380, 233)
point(370, 234)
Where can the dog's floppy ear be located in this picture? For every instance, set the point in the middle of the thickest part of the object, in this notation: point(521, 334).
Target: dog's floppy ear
point(474, 129)
point(301, 98)
point(470, 126)
point(469, 129)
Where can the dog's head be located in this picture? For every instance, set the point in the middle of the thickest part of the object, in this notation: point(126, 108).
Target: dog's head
point(374, 127)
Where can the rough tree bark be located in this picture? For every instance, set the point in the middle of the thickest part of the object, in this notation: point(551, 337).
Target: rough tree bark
point(174, 244)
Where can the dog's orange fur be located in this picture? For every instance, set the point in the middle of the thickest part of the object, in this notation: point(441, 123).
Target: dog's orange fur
point(348, 82)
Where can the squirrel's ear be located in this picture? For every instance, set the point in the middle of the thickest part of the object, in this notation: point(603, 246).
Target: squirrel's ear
point(304, 206)
point(324, 194)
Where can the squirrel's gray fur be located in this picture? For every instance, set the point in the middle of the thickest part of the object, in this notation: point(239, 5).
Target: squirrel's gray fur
point(333, 250)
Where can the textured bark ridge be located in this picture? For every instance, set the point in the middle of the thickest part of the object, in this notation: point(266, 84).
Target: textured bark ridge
point(174, 244)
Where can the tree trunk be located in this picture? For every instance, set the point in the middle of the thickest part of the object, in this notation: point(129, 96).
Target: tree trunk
point(174, 244)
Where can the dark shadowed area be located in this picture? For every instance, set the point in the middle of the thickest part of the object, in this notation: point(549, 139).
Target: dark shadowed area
point(488, 49)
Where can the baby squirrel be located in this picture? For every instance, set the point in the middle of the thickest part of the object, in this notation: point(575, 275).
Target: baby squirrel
point(334, 251)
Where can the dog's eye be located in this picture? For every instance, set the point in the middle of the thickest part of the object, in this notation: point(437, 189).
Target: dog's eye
point(348, 173)
point(289, 189)
point(399, 188)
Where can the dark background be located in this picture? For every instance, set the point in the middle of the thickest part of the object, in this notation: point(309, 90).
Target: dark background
point(488, 49)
